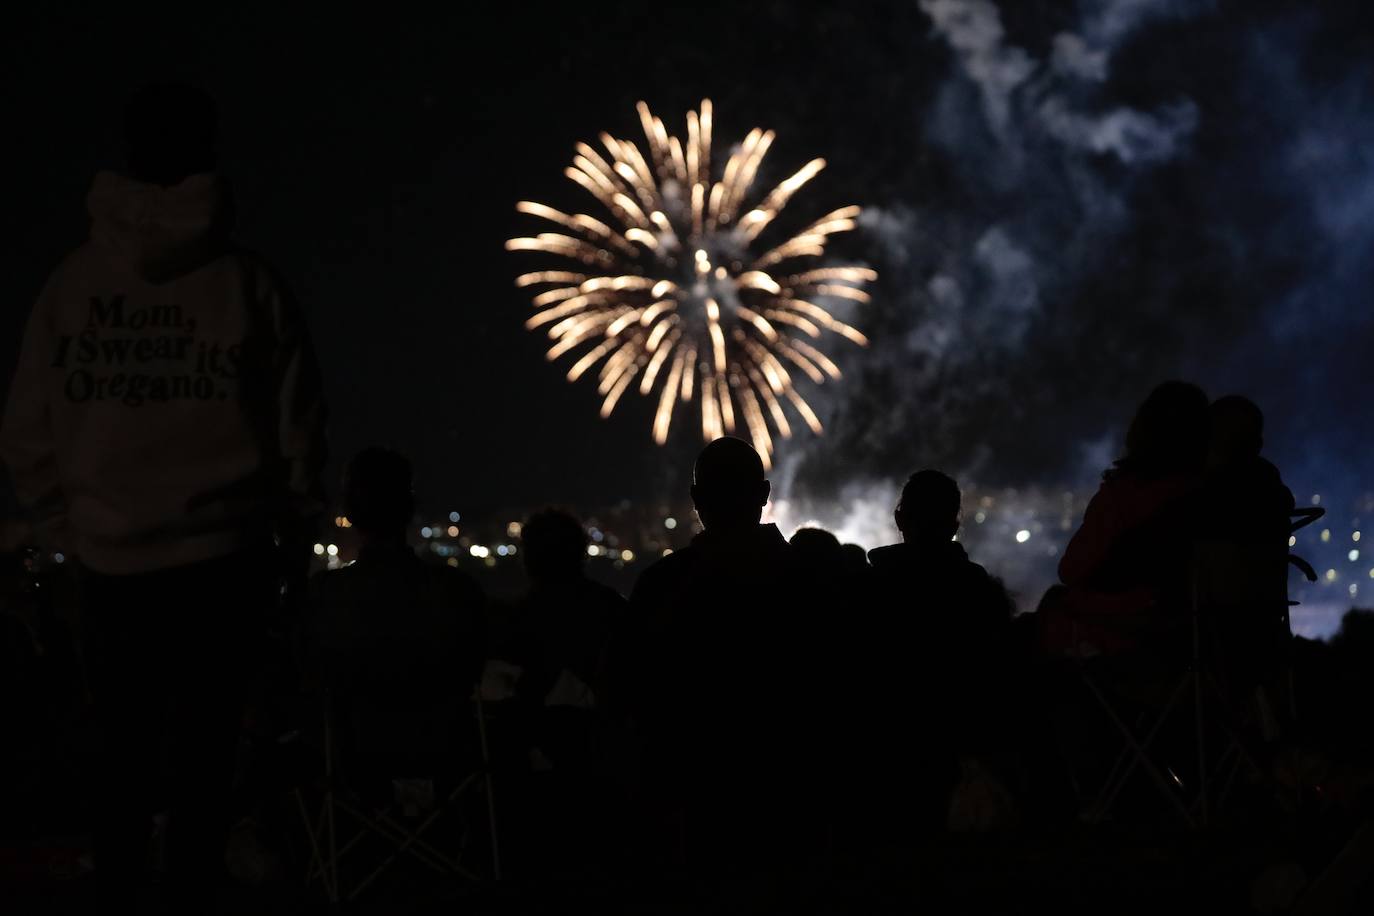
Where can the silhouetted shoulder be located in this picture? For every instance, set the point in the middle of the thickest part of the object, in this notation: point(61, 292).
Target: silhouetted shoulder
point(603, 593)
point(663, 573)
point(456, 583)
point(885, 556)
point(979, 572)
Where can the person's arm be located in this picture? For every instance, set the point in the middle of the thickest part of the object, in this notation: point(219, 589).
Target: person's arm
point(300, 429)
point(1091, 543)
point(26, 437)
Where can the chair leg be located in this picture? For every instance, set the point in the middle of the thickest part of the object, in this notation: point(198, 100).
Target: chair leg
point(1123, 759)
point(316, 866)
point(1140, 756)
point(1236, 745)
point(332, 881)
point(407, 841)
point(410, 841)
point(1199, 726)
point(487, 786)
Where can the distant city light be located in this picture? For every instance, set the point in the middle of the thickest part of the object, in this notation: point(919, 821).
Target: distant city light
point(452, 561)
point(453, 531)
point(342, 521)
point(319, 550)
point(501, 550)
point(59, 558)
point(670, 523)
point(513, 530)
point(332, 550)
point(597, 535)
point(454, 517)
point(627, 555)
point(1354, 589)
point(1354, 555)
point(980, 517)
point(1316, 499)
point(1292, 540)
point(1355, 536)
point(593, 550)
point(667, 551)
point(510, 550)
point(478, 551)
point(426, 532)
point(1022, 536)
point(1326, 535)
point(1330, 575)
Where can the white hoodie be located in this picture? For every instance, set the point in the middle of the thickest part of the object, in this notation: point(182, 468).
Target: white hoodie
point(166, 407)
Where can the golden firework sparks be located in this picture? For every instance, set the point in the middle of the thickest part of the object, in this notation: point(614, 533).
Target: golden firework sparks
point(672, 290)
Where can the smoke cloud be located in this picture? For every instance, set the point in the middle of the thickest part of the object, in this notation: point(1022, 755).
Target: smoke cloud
point(1147, 189)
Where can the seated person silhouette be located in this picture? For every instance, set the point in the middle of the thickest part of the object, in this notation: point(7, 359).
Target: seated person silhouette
point(1125, 572)
point(400, 642)
point(561, 630)
point(710, 668)
point(937, 654)
point(564, 621)
point(1243, 493)
point(1241, 552)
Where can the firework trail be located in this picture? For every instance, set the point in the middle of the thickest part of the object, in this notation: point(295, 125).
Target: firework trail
point(679, 295)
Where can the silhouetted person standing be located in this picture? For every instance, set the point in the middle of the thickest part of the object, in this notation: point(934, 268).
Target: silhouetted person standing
point(164, 425)
point(936, 655)
point(712, 668)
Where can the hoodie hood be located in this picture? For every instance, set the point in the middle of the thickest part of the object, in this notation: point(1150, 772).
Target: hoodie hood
point(159, 233)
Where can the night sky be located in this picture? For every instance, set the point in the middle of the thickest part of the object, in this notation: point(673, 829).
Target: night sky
point(1191, 195)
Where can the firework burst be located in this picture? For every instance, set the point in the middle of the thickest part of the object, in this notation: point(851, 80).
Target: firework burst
point(678, 295)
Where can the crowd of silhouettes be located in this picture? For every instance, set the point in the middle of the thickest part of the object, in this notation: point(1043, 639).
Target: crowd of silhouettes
point(754, 701)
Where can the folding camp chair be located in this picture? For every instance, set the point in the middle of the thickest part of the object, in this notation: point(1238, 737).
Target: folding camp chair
point(341, 803)
point(1231, 584)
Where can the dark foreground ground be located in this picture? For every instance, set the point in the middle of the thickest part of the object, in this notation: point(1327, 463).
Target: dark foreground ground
point(1320, 868)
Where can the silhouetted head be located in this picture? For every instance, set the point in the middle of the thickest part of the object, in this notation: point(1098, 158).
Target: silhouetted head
point(818, 551)
point(554, 545)
point(378, 496)
point(1169, 432)
point(855, 558)
point(728, 485)
point(1355, 638)
point(928, 511)
point(169, 133)
point(1237, 430)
